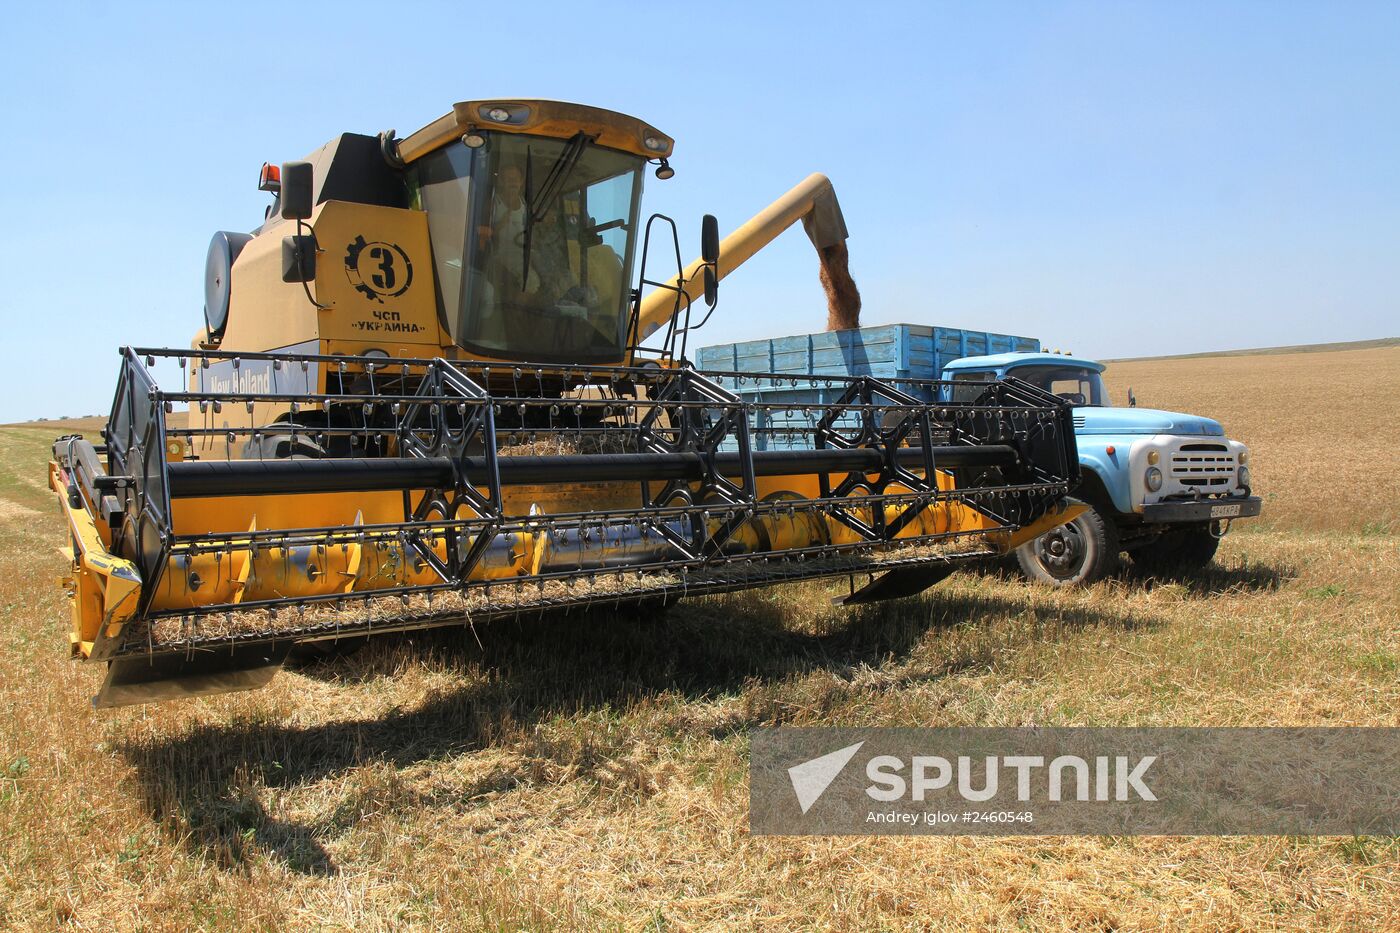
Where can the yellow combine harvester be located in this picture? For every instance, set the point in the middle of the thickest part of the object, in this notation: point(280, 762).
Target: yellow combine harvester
point(427, 392)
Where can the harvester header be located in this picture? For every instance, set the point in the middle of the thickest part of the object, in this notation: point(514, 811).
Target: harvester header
point(420, 398)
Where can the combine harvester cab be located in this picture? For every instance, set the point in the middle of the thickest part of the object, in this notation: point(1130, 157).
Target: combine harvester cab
point(331, 490)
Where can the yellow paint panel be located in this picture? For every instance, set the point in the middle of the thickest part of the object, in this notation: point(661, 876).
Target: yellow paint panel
point(233, 514)
point(106, 588)
point(1047, 522)
point(375, 271)
point(374, 274)
point(264, 312)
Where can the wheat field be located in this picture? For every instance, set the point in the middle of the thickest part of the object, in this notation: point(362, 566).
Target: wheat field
point(589, 772)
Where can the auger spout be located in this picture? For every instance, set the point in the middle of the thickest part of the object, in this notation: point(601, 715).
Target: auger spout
point(812, 201)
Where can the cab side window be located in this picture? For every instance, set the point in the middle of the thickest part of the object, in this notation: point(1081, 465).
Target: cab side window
point(968, 386)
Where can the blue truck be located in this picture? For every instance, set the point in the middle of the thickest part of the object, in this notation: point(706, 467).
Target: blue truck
point(1162, 486)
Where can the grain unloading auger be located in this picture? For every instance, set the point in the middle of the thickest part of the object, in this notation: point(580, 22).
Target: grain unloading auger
point(422, 398)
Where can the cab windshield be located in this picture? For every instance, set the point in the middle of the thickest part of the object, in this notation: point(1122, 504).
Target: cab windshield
point(1074, 384)
point(532, 238)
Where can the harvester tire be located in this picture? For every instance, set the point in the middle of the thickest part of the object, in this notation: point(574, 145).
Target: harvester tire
point(1181, 549)
point(1075, 554)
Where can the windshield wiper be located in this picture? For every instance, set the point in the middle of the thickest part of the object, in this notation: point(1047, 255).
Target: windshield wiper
point(536, 205)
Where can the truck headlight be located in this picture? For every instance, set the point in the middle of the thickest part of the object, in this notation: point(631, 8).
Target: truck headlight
point(1243, 476)
point(1153, 478)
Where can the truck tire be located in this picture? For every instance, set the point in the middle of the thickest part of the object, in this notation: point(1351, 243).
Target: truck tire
point(1188, 548)
point(1075, 554)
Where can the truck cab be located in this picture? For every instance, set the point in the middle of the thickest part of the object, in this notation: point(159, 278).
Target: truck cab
point(1161, 485)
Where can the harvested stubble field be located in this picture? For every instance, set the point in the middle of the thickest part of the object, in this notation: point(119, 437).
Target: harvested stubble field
point(590, 772)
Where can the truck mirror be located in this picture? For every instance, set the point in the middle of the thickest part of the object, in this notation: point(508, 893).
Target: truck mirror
point(709, 239)
point(296, 191)
point(711, 286)
point(1132, 399)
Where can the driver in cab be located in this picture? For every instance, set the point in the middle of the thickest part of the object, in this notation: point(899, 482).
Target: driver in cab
point(510, 238)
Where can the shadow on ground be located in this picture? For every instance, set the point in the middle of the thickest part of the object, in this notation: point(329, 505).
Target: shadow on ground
point(1239, 576)
point(205, 784)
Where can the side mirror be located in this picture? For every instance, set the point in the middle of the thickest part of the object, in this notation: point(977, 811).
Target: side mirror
point(296, 191)
point(711, 286)
point(299, 258)
point(1132, 399)
point(709, 239)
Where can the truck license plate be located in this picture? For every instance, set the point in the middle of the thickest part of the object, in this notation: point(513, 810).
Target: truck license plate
point(1224, 511)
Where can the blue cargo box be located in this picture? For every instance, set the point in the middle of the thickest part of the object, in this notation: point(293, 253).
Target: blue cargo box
point(887, 351)
point(890, 352)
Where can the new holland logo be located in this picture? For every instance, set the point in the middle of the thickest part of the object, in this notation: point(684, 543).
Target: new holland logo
point(378, 270)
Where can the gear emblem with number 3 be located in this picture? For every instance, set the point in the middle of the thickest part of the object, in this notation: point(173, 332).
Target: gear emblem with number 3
point(377, 269)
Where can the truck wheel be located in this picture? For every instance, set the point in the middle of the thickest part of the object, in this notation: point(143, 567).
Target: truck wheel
point(1188, 548)
point(1076, 553)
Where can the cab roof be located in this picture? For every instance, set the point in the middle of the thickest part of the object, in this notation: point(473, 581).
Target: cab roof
point(538, 117)
point(1022, 358)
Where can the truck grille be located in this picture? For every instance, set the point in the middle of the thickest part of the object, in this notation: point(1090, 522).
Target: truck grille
point(1203, 465)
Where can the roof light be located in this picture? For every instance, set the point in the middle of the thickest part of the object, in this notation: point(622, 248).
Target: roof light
point(473, 139)
point(507, 112)
point(270, 178)
point(653, 143)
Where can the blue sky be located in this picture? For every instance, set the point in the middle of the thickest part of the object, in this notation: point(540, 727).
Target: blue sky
point(1120, 179)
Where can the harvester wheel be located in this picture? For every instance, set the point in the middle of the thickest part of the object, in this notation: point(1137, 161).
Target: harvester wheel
point(1188, 548)
point(1076, 553)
